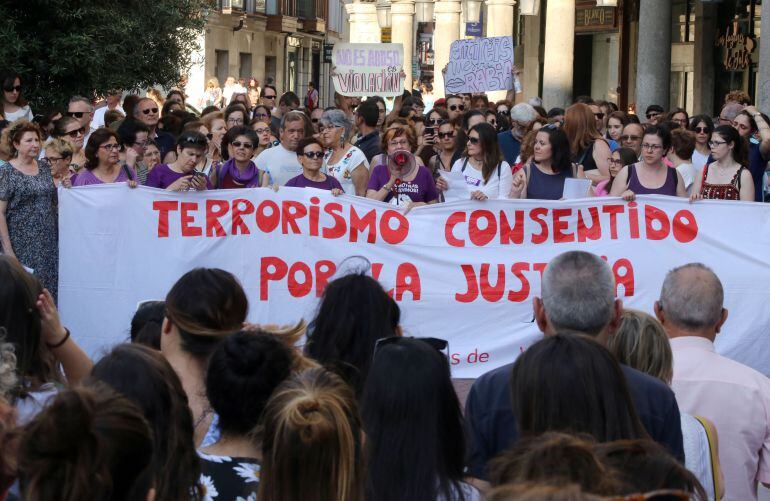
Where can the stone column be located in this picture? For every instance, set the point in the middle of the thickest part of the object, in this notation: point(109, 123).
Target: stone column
point(445, 31)
point(402, 31)
point(499, 24)
point(653, 57)
point(559, 53)
point(531, 58)
point(364, 27)
point(703, 86)
point(763, 90)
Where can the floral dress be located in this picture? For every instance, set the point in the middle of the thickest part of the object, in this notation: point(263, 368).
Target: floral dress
point(343, 169)
point(32, 217)
point(226, 478)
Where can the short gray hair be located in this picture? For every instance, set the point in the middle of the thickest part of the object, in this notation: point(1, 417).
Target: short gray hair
point(523, 113)
point(578, 292)
point(337, 118)
point(81, 99)
point(692, 297)
point(731, 110)
point(535, 101)
point(294, 116)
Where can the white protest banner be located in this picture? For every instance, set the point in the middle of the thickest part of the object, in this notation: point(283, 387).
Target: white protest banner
point(464, 271)
point(368, 69)
point(479, 65)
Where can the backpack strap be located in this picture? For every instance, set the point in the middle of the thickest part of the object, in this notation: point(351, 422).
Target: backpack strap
point(465, 164)
point(499, 165)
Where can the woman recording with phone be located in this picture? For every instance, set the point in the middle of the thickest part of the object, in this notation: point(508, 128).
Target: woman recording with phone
point(181, 175)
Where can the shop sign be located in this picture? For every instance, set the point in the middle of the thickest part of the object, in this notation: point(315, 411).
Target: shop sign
point(737, 47)
point(593, 19)
point(293, 42)
point(328, 48)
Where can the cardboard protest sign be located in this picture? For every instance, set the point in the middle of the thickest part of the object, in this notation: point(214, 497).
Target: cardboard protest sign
point(367, 69)
point(479, 65)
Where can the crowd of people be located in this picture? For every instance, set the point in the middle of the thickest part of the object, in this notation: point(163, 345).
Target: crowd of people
point(200, 404)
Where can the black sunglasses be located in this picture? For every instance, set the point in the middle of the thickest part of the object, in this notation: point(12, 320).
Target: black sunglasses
point(11, 88)
point(268, 97)
point(445, 135)
point(600, 116)
point(314, 120)
point(193, 140)
point(77, 132)
point(150, 110)
point(440, 345)
point(473, 140)
point(314, 154)
point(238, 144)
point(454, 107)
point(76, 114)
point(702, 130)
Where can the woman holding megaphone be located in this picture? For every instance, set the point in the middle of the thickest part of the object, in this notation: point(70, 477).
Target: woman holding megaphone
point(398, 178)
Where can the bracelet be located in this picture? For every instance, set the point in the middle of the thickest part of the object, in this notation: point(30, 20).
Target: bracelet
point(60, 343)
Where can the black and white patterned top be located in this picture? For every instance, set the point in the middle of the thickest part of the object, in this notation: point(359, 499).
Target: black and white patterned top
point(226, 478)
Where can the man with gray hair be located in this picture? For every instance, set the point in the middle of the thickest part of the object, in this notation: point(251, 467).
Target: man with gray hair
point(736, 398)
point(522, 115)
point(81, 109)
point(728, 113)
point(578, 296)
point(280, 162)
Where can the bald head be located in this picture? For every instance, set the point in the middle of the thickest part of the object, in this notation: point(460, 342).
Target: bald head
point(578, 292)
point(692, 298)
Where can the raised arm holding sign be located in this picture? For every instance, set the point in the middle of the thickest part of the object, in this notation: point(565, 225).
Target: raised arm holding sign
point(362, 70)
point(479, 65)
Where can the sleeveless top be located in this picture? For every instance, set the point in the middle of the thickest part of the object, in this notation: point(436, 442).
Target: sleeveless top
point(731, 191)
point(668, 188)
point(699, 453)
point(586, 157)
point(543, 186)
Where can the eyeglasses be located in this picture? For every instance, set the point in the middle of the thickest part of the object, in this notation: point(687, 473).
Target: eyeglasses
point(77, 132)
point(238, 144)
point(51, 160)
point(399, 144)
point(630, 138)
point(314, 154)
point(76, 114)
point(473, 140)
point(651, 147)
point(440, 345)
point(12, 88)
point(701, 130)
point(716, 144)
point(261, 130)
point(600, 116)
point(110, 147)
point(455, 107)
point(150, 110)
point(235, 121)
point(616, 161)
point(261, 115)
point(446, 135)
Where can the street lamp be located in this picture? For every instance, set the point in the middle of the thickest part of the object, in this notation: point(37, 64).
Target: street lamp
point(529, 7)
point(472, 11)
point(383, 13)
point(423, 11)
point(606, 3)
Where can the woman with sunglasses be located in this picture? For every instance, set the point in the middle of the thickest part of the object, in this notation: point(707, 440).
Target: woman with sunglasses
point(310, 154)
point(344, 161)
point(70, 130)
point(429, 133)
point(238, 170)
point(103, 161)
point(415, 445)
point(650, 176)
point(181, 175)
point(485, 171)
point(445, 147)
point(702, 126)
point(727, 177)
point(543, 178)
point(14, 107)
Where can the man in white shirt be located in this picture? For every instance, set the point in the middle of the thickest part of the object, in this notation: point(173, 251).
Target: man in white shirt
point(734, 397)
point(113, 103)
point(281, 162)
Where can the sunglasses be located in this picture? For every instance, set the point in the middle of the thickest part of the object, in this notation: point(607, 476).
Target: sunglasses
point(315, 120)
point(701, 130)
point(11, 88)
point(600, 116)
point(630, 138)
point(77, 132)
point(440, 345)
point(653, 115)
point(150, 110)
point(268, 97)
point(76, 114)
point(446, 135)
point(435, 121)
point(473, 140)
point(455, 107)
point(238, 144)
point(314, 154)
point(616, 161)
point(193, 140)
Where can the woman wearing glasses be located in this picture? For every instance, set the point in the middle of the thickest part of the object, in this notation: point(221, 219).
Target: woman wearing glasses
point(620, 158)
point(726, 178)
point(445, 147)
point(310, 154)
point(650, 176)
point(237, 171)
point(484, 170)
point(235, 115)
point(181, 175)
point(344, 161)
point(702, 126)
point(70, 130)
point(58, 154)
point(429, 138)
point(103, 161)
point(14, 107)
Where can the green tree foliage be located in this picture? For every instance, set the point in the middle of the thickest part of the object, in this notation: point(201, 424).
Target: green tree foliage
point(63, 48)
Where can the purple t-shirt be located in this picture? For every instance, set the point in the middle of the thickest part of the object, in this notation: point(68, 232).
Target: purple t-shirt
point(162, 177)
point(86, 177)
point(420, 189)
point(302, 182)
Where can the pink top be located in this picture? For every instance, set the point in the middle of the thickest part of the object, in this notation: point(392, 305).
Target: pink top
point(600, 190)
point(736, 398)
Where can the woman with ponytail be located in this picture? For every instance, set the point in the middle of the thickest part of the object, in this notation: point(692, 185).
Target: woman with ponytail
point(311, 447)
point(89, 443)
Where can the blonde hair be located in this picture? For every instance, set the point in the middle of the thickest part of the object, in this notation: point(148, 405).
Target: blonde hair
point(60, 146)
point(213, 82)
point(312, 431)
point(641, 342)
point(208, 118)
